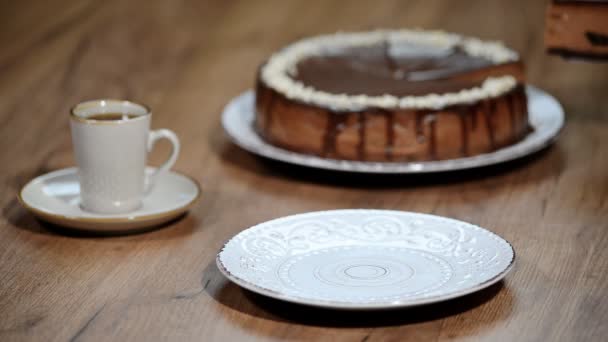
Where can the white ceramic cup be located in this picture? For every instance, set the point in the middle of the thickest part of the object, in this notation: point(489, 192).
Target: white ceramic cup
point(111, 154)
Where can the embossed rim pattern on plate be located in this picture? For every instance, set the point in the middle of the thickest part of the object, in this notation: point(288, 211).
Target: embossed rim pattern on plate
point(235, 275)
point(545, 113)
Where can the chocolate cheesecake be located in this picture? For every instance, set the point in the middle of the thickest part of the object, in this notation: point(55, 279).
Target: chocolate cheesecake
point(392, 96)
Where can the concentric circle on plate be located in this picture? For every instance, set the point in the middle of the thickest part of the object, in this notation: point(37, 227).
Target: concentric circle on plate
point(333, 258)
point(358, 273)
point(545, 113)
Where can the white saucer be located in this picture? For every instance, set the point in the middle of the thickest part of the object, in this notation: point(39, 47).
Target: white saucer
point(365, 259)
point(54, 197)
point(545, 113)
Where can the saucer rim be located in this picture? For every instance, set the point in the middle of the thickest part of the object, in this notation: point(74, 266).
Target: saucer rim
point(114, 219)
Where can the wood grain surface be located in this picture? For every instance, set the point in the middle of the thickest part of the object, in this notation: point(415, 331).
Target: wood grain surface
point(187, 59)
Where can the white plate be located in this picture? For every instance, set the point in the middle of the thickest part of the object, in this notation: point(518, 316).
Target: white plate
point(365, 259)
point(545, 113)
point(55, 197)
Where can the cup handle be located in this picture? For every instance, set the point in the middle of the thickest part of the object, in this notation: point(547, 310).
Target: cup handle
point(153, 137)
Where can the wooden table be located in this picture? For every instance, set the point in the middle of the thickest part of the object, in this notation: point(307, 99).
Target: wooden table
point(187, 59)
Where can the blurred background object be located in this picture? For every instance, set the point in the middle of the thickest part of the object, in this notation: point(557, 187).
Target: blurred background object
point(577, 28)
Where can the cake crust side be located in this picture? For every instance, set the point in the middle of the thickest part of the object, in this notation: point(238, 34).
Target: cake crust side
point(378, 134)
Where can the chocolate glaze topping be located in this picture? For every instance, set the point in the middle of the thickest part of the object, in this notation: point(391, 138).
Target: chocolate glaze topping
point(488, 113)
point(390, 133)
point(335, 124)
point(361, 129)
point(377, 70)
point(510, 99)
point(464, 128)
